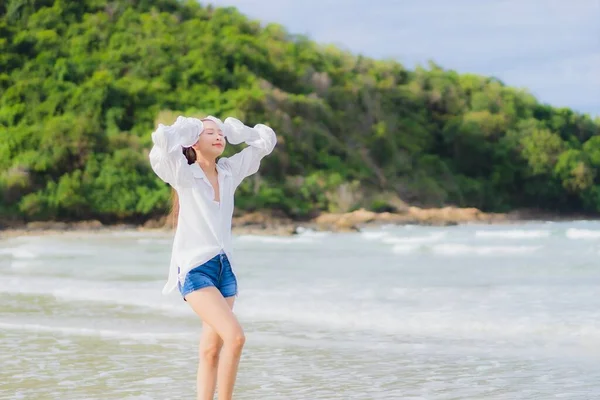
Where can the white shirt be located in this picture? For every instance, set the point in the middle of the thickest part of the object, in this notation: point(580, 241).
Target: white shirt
point(204, 225)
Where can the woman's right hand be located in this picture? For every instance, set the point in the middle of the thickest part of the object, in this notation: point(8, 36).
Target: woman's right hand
point(236, 132)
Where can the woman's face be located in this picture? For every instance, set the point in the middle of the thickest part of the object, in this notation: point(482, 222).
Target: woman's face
point(211, 142)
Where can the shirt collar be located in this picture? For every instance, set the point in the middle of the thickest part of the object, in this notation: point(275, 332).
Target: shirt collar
point(198, 172)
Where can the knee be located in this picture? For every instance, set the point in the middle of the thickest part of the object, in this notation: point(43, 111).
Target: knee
point(237, 341)
point(210, 352)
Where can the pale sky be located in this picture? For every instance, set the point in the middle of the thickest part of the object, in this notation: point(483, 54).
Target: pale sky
point(550, 47)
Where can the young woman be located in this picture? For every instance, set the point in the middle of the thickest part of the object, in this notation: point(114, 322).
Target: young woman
point(185, 156)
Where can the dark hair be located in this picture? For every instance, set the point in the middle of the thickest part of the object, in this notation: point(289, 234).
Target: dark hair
point(190, 155)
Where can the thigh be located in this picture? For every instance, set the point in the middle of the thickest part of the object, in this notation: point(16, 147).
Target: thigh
point(230, 301)
point(209, 336)
point(215, 311)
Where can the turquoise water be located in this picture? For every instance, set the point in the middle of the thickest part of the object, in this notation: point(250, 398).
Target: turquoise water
point(466, 312)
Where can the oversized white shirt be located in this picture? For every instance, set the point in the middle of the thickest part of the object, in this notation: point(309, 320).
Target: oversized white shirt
point(204, 225)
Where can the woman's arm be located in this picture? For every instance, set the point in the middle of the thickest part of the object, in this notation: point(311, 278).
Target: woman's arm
point(166, 158)
point(261, 141)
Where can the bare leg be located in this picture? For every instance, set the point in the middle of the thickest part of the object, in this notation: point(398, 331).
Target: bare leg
point(209, 349)
point(214, 310)
point(228, 364)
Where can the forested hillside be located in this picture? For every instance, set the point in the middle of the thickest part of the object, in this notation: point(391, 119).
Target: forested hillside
point(84, 83)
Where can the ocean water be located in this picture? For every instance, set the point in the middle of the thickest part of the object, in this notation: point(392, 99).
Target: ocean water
point(463, 312)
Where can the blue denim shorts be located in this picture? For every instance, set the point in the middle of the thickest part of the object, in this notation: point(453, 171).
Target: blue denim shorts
point(215, 272)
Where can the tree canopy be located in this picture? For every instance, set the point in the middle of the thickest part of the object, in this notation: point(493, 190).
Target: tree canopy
point(83, 84)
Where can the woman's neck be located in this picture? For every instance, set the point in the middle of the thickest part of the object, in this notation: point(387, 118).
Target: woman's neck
point(207, 165)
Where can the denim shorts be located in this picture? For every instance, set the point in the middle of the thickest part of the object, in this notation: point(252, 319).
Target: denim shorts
point(215, 272)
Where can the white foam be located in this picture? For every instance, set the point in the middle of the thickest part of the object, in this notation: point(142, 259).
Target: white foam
point(145, 337)
point(19, 253)
point(374, 235)
point(277, 239)
point(454, 249)
point(310, 233)
point(42, 250)
point(24, 264)
point(587, 234)
point(405, 248)
point(425, 323)
point(514, 234)
point(142, 295)
point(433, 237)
point(155, 241)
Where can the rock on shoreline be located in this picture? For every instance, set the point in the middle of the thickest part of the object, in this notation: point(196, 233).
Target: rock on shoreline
point(355, 220)
point(273, 223)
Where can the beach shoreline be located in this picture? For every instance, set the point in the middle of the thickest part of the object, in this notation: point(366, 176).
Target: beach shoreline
point(273, 224)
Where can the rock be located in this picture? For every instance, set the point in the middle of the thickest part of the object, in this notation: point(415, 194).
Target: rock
point(87, 225)
point(264, 218)
point(276, 223)
point(353, 221)
point(158, 223)
point(327, 219)
point(393, 218)
point(263, 222)
point(283, 230)
point(64, 226)
point(123, 227)
point(344, 222)
point(362, 216)
point(451, 215)
point(47, 226)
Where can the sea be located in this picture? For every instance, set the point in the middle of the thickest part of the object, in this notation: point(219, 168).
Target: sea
point(395, 312)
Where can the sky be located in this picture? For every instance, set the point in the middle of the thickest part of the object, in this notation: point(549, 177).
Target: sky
point(549, 47)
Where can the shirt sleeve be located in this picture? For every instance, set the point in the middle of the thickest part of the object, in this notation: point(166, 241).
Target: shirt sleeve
point(261, 141)
point(166, 156)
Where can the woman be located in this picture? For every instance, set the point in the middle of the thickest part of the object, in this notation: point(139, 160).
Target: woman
point(185, 156)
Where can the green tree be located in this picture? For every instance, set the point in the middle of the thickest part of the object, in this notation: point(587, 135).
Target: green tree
point(84, 83)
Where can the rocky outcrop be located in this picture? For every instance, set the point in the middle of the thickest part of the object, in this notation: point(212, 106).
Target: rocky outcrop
point(354, 220)
point(36, 228)
point(259, 222)
point(63, 226)
point(453, 216)
point(159, 223)
point(276, 223)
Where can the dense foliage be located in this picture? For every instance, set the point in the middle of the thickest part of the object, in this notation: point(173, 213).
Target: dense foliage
point(83, 84)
